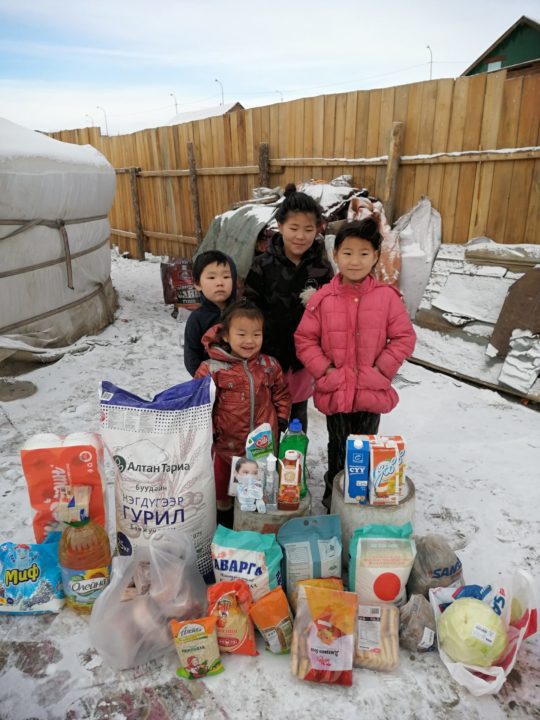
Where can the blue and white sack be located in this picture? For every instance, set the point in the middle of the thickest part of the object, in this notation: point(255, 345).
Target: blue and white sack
point(164, 471)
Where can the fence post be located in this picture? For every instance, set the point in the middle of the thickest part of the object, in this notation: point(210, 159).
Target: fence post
point(264, 165)
point(394, 153)
point(194, 192)
point(133, 173)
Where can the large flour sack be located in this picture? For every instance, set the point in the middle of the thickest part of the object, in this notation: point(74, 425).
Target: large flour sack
point(164, 471)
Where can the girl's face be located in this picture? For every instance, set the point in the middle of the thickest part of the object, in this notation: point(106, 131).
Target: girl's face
point(298, 232)
point(245, 336)
point(355, 259)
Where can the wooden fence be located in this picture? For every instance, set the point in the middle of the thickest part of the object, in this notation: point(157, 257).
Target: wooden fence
point(173, 180)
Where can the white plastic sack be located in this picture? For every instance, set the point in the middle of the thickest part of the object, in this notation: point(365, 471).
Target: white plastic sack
point(515, 603)
point(129, 627)
point(164, 471)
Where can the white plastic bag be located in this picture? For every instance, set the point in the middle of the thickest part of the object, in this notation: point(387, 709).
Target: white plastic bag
point(516, 605)
point(128, 628)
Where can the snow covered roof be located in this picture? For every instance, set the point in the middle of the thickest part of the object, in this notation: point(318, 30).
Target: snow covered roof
point(205, 113)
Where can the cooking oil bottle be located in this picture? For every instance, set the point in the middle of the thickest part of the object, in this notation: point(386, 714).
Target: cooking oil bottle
point(84, 552)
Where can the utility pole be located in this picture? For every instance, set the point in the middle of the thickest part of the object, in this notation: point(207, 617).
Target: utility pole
point(222, 93)
point(98, 107)
point(175, 103)
point(430, 62)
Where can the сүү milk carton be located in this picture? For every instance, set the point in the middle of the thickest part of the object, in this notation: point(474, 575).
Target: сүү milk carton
point(356, 480)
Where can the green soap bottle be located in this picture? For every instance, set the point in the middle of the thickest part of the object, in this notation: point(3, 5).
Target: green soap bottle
point(294, 438)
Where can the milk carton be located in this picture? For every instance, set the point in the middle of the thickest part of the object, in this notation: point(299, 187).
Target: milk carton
point(356, 481)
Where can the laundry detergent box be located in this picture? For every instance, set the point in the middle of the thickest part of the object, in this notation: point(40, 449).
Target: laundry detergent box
point(357, 458)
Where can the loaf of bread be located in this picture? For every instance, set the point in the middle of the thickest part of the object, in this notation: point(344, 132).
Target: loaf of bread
point(377, 641)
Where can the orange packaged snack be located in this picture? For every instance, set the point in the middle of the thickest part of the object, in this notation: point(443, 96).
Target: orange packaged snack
point(197, 647)
point(323, 637)
point(272, 616)
point(230, 601)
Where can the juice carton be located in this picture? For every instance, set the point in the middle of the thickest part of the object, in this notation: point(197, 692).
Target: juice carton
point(399, 442)
point(289, 481)
point(384, 484)
point(357, 458)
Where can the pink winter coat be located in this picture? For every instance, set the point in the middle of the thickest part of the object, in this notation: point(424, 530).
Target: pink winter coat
point(364, 331)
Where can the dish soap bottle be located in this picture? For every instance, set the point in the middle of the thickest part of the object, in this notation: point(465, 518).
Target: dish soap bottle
point(294, 438)
point(84, 552)
point(271, 482)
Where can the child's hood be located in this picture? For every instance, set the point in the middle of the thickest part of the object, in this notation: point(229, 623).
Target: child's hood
point(215, 348)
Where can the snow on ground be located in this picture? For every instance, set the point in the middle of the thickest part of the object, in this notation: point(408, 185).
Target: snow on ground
point(473, 458)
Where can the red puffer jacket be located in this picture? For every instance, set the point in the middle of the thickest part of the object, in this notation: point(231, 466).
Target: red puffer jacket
point(248, 393)
point(363, 330)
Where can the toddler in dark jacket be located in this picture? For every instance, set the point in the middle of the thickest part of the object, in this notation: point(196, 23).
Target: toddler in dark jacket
point(214, 276)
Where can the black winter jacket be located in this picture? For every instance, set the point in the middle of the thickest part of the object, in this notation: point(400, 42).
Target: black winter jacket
point(198, 322)
point(274, 284)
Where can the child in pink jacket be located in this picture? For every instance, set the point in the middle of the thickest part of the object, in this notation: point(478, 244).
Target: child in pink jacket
point(353, 337)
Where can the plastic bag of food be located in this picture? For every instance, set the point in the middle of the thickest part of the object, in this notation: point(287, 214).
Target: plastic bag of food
point(312, 548)
point(514, 603)
point(197, 647)
point(230, 602)
point(323, 636)
point(129, 628)
point(377, 642)
point(164, 471)
point(53, 465)
point(30, 577)
point(273, 619)
point(417, 628)
point(381, 558)
point(331, 583)
point(435, 565)
point(247, 555)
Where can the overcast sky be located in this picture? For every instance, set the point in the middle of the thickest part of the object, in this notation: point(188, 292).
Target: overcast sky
point(60, 60)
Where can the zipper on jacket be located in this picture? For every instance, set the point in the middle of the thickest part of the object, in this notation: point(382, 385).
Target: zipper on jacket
point(251, 396)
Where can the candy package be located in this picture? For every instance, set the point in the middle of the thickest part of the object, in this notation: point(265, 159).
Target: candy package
point(230, 602)
point(273, 619)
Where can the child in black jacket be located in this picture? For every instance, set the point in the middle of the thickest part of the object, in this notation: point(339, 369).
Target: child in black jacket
point(214, 276)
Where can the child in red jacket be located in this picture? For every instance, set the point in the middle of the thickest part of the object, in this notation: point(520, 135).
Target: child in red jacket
point(354, 336)
point(250, 389)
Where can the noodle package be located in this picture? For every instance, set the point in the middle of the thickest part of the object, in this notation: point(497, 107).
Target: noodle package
point(230, 602)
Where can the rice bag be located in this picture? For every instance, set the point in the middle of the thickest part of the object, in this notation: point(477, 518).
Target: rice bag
point(30, 577)
point(417, 627)
point(164, 472)
point(381, 558)
point(229, 602)
point(435, 565)
point(247, 555)
point(312, 548)
point(273, 619)
point(377, 643)
point(323, 636)
point(331, 583)
point(197, 647)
